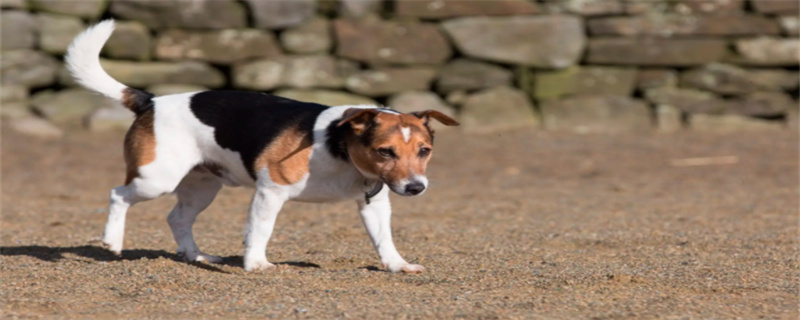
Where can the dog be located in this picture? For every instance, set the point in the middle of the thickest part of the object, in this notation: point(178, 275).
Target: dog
point(192, 144)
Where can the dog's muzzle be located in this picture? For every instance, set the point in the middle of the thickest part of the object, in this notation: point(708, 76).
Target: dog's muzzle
point(410, 187)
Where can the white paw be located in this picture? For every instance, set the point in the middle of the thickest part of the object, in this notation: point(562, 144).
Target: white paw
point(115, 246)
point(199, 256)
point(404, 267)
point(257, 265)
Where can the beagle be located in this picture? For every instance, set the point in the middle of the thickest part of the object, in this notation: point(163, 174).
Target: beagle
point(192, 144)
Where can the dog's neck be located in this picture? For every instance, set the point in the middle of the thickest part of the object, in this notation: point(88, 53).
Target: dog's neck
point(369, 192)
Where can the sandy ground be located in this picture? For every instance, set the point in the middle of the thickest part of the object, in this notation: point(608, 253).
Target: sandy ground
point(517, 225)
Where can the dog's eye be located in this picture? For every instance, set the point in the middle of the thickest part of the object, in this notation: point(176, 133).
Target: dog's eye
point(424, 152)
point(386, 152)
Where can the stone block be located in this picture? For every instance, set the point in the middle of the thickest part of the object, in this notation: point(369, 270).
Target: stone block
point(538, 41)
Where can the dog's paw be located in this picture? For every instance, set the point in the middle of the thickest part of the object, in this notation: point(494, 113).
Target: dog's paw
point(412, 268)
point(199, 257)
point(208, 258)
point(258, 265)
point(113, 247)
point(404, 267)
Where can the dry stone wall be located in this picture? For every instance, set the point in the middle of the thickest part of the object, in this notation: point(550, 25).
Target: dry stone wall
point(575, 65)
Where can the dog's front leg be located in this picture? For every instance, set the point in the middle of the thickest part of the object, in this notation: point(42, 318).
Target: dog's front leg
point(377, 219)
point(260, 222)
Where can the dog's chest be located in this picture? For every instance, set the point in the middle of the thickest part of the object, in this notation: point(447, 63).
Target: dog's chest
point(330, 185)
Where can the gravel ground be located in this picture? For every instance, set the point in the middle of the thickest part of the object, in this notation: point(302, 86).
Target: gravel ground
point(522, 224)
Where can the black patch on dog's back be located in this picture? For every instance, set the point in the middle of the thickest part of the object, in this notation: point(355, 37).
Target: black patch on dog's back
point(248, 122)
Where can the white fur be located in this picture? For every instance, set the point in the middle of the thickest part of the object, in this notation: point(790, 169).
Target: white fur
point(121, 199)
point(377, 219)
point(387, 110)
point(267, 202)
point(83, 61)
point(406, 133)
point(183, 142)
point(422, 179)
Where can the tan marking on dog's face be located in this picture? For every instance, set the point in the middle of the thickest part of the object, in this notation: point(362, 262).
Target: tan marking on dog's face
point(140, 145)
point(287, 157)
point(395, 148)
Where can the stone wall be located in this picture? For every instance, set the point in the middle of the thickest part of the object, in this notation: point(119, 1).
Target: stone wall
point(576, 65)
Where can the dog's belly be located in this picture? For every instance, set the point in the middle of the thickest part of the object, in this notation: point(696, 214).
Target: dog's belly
point(312, 188)
point(229, 166)
point(223, 174)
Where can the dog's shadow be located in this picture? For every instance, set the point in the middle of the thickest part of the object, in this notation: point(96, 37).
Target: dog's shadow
point(54, 254)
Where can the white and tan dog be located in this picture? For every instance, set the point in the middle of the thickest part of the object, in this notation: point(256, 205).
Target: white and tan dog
point(193, 143)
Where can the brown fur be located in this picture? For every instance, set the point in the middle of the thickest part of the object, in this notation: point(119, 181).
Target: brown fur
point(387, 133)
point(287, 157)
point(129, 99)
point(140, 145)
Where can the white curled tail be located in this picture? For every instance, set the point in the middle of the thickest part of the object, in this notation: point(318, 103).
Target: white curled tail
point(83, 61)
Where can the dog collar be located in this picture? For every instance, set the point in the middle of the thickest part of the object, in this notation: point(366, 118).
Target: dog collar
point(377, 188)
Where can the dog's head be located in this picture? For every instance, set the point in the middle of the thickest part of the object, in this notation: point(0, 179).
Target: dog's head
point(393, 147)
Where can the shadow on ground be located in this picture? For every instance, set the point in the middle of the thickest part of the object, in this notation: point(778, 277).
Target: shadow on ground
point(54, 254)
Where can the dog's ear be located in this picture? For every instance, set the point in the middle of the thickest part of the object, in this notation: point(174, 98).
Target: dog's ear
point(358, 119)
point(441, 117)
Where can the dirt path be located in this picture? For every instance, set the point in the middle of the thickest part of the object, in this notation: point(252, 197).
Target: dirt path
point(516, 225)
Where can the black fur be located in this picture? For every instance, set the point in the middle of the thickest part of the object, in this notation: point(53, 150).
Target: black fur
point(338, 136)
point(430, 131)
point(337, 139)
point(368, 136)
point(247, 122)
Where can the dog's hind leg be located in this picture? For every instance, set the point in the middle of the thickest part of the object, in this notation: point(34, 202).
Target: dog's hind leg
point(121, 199)
point(150, 174)
point(195, 193)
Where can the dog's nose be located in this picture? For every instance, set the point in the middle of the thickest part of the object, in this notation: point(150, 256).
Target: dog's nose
point(415, 188)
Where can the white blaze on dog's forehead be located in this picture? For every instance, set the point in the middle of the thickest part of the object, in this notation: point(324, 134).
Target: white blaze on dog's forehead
point(406, 133)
